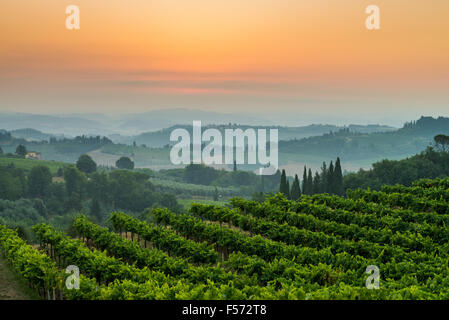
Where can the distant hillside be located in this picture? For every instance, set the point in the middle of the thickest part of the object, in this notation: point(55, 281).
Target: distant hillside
point(160, 119)
point(162, 137)
point(51, 124)
point(7, 139)
point(358, 146)
point(130, 125)
point(409, 140)
point(127, 124)
point(62, 149)
point(33, 135)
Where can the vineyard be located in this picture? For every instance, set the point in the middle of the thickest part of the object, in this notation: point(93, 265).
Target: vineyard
point(316, 248)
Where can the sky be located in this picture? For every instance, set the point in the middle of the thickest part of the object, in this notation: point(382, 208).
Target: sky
point(293, 61)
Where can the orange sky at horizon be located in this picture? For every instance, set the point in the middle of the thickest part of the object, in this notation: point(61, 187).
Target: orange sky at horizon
point(278, 48)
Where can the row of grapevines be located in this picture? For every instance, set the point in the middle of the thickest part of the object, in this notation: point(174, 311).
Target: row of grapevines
point(122, 281)
point(286, 271)
point(269, 250)
point(276, 270)
point(405, 201)
point(134, 291)
point(282, 271)
point(93, 263)
point(151, 289)
point(288, 234)
point(432, 193)
point(430, 183)
point(351, 231)
point(320, 273)
point(39, 270)
point(292, 235)
point(165, 239)
point(154, 258)
point(372, 215)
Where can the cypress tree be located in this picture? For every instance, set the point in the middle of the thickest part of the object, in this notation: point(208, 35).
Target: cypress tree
point(323, 177)
point(283, 187)
point(317, 183)
point(288, 190)
point(338, 178)
point(331, 179)
point(295, 193)
point(310, 182)
point(304, 182)
point(216, 194)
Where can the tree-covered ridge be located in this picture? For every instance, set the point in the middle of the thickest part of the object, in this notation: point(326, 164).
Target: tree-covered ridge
point(411, 139)
point(430, 164)
point(161, 138)
point(54, 148)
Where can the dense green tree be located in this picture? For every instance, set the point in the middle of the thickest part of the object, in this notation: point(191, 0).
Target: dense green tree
point(317, 183)
point(73, 202)
point(201, 174)
point(17, 212)
point(39, 180)
point(41, 208)
point(75, 181)
point(124, 163)
point(338, 178)
point(295, 192)
point(216, 194)
point(429, 164)
point(331, 179)
point(441, 142)
point(11, 187)
point(288, 190)
point(95, 209)
point(99, 187)
point(86, 164)
point(130, 190)
point(310, 182)
point(305, 189)
point(57, 190)
point(283, 187)
point(323, 178)
point(1, 151)
point(21, 150)
point(169, 201)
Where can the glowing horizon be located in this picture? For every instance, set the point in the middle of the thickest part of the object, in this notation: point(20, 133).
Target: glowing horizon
point(255, 55)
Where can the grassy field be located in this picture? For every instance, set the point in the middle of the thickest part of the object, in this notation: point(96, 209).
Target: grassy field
point(27, 164)
point(11, 286)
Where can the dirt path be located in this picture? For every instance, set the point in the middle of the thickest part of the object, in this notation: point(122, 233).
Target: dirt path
point(12, 288)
